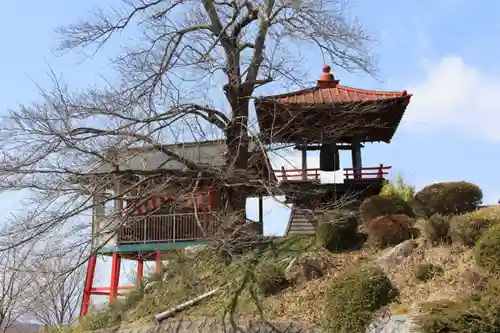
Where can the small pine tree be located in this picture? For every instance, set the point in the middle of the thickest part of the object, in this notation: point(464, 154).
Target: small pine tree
point(399, 190)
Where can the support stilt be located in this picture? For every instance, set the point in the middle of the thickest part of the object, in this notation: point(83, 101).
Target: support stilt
point(158, 262)
point(140, 270)
point(115, 277)
point(114, 289)
point(89, 280)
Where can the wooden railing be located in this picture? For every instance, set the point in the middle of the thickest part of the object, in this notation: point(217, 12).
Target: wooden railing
point(164, 228)
point(366, 173)
point(349, 173)
point(297, 174)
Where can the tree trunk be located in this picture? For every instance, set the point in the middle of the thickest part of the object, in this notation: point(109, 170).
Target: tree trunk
point(237, 160)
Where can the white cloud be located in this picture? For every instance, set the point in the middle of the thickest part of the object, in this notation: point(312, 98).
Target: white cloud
point(456, 96)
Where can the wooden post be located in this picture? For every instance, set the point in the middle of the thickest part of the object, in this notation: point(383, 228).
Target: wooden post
point(304, 164)
point(356, 159)
point(380, 173)
point(211, 198)
point(209, 214)
point(98, 214)
point(283, 173)
point(89, 281)
point(261, 215)
point(114, 224)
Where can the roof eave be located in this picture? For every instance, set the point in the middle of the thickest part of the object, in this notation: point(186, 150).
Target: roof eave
point(259, 103)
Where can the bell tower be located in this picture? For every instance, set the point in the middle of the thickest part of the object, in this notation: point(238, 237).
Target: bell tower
point(329, 117)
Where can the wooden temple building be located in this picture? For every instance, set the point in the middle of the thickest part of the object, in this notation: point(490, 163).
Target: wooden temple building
point(140, 218)
point(155, 217)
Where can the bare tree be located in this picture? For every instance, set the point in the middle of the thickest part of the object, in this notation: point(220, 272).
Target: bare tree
point(15, 281)
point(185, 53)
point(57, 290)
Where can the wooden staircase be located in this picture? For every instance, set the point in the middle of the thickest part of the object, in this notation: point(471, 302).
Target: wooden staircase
point(302, 222)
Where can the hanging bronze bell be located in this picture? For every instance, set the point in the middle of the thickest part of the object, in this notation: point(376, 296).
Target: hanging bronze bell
point(329, 159)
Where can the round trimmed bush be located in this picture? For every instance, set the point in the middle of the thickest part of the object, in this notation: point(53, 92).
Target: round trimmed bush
point(487, 250)
point(437, 229)
point(270, 278)
point(354, 297)
point(466, 229)
point(426, 271)
point(389, 230)
point(448, 198)
point(378, 205)
point(337, 230)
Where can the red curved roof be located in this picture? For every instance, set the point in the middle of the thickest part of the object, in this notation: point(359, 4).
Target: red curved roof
point(328, 91)
point(338, 93)
point(291, 117)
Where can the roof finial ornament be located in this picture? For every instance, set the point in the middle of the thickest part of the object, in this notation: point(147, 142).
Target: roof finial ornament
point(327, 80)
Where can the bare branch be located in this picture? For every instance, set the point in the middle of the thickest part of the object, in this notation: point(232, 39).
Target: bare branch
point(176, 125)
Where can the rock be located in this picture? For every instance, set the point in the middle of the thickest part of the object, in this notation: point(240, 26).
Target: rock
point(394, 256)
point(392, 324)
point(303, 269)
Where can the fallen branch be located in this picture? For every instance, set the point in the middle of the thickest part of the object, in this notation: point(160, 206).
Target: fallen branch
point(164, 315)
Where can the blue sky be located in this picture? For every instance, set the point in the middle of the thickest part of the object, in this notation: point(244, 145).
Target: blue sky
point(444, 52)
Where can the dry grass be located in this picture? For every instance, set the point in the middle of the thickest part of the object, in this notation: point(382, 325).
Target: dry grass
point(449, 285)
point(199, 275)
point(193, 276)
point(290, 304)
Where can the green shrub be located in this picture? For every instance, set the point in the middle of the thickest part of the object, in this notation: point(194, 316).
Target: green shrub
point(437, 229)
point(270, 278)
point(337, 230)
point(467, 228)
point(389, 230)
point(354, 297)
point(449, 198)
point(426, 271)
point(378, 205)
point(487, 250)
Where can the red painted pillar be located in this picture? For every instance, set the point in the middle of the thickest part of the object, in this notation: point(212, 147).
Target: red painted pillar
point(115, 277)
point(89, 280)
point(140, 270)
point(158, 262)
